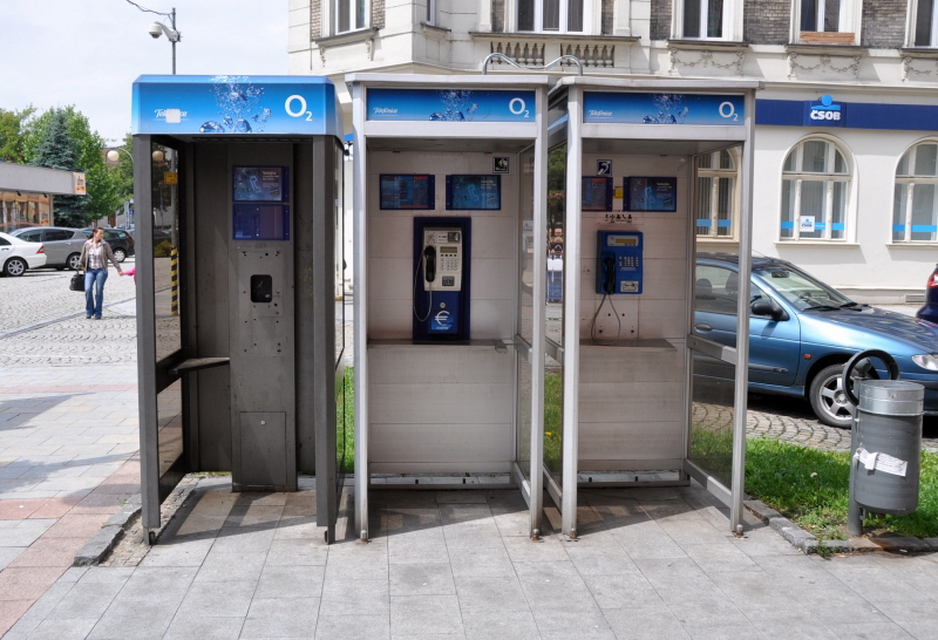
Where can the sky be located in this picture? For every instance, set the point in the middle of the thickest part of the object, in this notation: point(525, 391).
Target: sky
point(87, 53)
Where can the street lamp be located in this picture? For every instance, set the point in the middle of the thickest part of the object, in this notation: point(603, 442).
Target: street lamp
point(158, 28)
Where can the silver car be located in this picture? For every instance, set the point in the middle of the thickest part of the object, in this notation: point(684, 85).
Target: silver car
point(62, 244)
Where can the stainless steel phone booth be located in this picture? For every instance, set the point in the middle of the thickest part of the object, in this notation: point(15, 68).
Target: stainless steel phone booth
point(238, 189)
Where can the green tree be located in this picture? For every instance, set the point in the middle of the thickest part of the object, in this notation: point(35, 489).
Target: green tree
point(62, 139)
point(12, 147)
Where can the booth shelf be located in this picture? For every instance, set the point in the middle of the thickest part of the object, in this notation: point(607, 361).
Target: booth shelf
point(642, 345)
point(194, 364)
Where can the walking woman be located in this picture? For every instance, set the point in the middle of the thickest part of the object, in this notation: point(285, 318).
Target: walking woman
point(95, 254)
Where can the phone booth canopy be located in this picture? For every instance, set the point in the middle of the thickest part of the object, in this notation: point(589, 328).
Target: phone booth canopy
point(645, 162)
point(238, 194)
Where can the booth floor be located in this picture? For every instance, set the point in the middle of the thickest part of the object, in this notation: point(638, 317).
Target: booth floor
point(649, 563)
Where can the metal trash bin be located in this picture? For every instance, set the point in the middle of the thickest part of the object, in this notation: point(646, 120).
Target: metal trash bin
point(887, 446)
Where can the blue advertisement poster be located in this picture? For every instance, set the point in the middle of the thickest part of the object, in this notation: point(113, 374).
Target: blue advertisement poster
point(247, 105)
point(663, 108)
point(650, 194)
point(450, 105)
point(265, 184)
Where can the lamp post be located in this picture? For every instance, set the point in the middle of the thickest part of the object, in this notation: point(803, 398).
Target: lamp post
point(158, 28)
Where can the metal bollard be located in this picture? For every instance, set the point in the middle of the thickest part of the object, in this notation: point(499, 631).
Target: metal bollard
point(886, 446)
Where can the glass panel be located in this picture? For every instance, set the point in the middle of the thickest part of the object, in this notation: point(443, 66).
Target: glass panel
point(925, 160)
point(899, 208)
point(923, 23)
point(692, 18)
point(574, 15)
point(788, 204)
point(523, 444)
point(715, 19)
point(344, 396)
point(838, 209)
point(360, 14)
point(808, 15)
point(551, 17)
point(832, 15)
point(343, 18)
point(553, 418)
point(813, 200)
point(840, 163)
point(169, 426)
point(711, 445)
point(923, 212)
point(903, 168)
point(165, 173)
point(814, 157)
point(704, 204)
point(526, 15)
point(726, 160)
point(556, 214)
point(725, 207)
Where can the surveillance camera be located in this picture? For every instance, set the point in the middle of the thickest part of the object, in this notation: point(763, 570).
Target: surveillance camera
point(156, 29)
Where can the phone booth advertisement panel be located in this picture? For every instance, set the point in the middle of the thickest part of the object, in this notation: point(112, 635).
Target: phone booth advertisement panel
point(239, 268)
point(632, 404)
point(449, 199)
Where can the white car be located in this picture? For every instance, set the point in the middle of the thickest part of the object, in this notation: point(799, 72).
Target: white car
point(16, 256)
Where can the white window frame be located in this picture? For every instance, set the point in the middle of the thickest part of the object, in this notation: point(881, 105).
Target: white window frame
point(716, 173)
point(332, 6)
point(912, 24)
point(848, 23)
point(732, 26)
point(430, 16)
point(592, 17)
point(830, 178)
point(907, 182)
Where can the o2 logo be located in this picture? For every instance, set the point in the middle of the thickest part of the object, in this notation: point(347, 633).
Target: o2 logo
point(296, 107)
point(518, 107)
point(727, 110)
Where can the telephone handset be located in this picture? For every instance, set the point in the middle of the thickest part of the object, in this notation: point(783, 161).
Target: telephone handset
point(609, 280)
point(429, 263)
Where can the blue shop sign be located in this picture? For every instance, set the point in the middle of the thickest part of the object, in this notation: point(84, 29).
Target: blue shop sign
point(239, 105)
point(450, 105)
point(663, 108)
point(824, 112)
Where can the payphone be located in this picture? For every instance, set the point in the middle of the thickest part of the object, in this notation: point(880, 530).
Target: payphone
point(441, 279)
point(619, 262)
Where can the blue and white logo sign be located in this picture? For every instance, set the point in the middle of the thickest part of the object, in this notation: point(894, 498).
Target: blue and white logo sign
point(663, 108)
point(241, 105)
point(824, 112)
point(450, 105)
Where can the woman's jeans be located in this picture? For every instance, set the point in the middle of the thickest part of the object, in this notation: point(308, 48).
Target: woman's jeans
point(94, 291)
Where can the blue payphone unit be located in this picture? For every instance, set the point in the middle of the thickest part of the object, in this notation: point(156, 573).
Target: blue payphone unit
point(441, 279)
point(619, 262)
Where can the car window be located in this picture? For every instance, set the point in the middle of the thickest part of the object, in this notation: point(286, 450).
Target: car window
point(56, 234)
point(801, 290)
point(716, 289)
point(34, 235)
point(4, 242)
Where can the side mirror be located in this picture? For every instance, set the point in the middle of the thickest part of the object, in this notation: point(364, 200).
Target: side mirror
point(768, 307)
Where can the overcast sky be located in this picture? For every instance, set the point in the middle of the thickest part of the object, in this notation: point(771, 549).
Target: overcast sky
point(87, 53)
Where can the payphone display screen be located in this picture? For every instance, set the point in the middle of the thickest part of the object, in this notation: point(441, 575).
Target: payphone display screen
point(261, 222)
point(415, 191)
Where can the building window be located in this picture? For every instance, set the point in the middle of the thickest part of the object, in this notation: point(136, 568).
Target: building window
point(815, 184)
point(563, 16)
point(915, 211)
point(834, 22)
point(431, 12)
point(925, 25)
point(702, 19)
point(350, 15)
point(717, 197)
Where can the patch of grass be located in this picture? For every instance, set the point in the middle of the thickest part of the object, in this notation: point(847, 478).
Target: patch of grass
point(810, 487)
point(345, 425)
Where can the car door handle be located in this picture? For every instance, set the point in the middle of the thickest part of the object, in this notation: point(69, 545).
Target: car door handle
point(703, 326)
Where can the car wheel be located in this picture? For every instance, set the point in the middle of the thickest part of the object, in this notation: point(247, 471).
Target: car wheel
point(74, 262)
point(828, 399)
point(15, 267)
point(120, 255)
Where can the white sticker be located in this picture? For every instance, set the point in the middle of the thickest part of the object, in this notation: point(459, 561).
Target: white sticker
point(879, 461)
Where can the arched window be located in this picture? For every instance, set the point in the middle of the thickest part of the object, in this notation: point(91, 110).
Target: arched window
point(717, 198)
point(815, 184)
point(915, 212)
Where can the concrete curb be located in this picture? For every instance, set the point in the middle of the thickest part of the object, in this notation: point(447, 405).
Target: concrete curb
point(808, 543)
point(105, 538)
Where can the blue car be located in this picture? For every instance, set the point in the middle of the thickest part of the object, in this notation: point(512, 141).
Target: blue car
point(929, 310)
point(802, 332)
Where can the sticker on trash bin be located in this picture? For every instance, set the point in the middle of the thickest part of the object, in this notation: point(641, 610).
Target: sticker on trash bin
point(879, 461)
